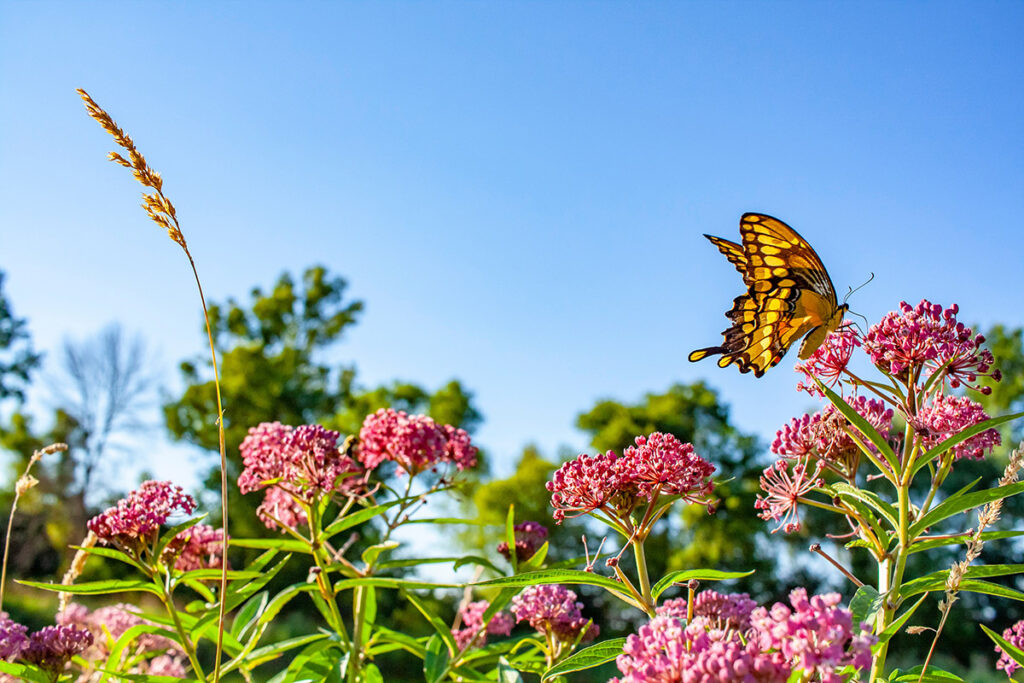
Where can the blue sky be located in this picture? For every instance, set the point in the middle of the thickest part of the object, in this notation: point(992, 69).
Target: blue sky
point(517, 190)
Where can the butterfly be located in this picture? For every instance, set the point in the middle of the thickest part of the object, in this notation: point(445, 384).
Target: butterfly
point(789, 295)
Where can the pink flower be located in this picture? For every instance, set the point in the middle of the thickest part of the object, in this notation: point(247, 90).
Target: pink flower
point(108, 624)
point(1015, 636)
point(829, 361)
point(139, 515)
point(530, 536)
point(720, 611)
point(928, 335)
point(660, 463)
point(784, 490)
point(945, 416)
point(473, 631)
point(823, 435)
point(815, 634)
point(414, 442)
point(13, 638)
point(553, 610)
point(667, 651)
point(200, 547)
point(584, 485)
point(52, 647)
point(297, 466)
point(657, 464)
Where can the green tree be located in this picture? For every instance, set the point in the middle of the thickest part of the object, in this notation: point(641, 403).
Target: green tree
point(17, 358)
point(272, 367)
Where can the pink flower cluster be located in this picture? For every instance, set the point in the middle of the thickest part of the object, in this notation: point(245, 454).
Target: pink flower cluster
point(530, 536)
point(668, 651)
point(719, 611)
point(297, 465)
point(139, 515)
point(657, 464)
point(1015, 636)
point(108, 624)
point(927, 335)
point(414, 442)
point(829, 361)
point(13, 638)
point(52, 647)
point(945, 416)
point(813, 635)
point(553, 610)
point(823, 434)
point(199, 547)
point(783, 490)
point(473, 631)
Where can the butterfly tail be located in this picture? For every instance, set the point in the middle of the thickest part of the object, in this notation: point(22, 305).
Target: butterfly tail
point(701, 354)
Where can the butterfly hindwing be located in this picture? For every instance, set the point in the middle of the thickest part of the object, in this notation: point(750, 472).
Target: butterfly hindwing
point(789, 294)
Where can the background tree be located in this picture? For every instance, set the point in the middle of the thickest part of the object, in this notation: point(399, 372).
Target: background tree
point(273, 368)
point(17, 358)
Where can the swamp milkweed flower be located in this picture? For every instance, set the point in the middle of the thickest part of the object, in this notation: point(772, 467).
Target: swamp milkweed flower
point(13, 638)
point(783, 490)
point(945, 416)
point(52, 647)
point(414, 442)
point(199, 547)
point(1015, 636)
point(297, 465)
point(554, 612)
point(928, 335)
point(530, 536)
point(473, 630)
point(719, 611)
point(829, 361)
point(138, 516)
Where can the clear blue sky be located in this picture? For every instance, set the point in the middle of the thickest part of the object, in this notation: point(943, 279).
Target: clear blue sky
point(517, 190)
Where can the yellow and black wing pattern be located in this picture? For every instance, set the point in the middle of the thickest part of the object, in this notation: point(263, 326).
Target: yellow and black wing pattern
point(789, 295)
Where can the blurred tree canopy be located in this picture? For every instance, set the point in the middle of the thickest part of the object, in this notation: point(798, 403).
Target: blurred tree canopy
point(17, 358)
point(271, 355)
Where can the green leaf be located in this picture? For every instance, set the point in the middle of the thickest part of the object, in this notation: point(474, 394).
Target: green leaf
point(443, 630)
point(97, 587)
point(358, 517)
point(371, 674)
point(959, 438)
point(238, 592)
point(510, 537)
point(271, 652)
point(862, 425)
point(173, 531)
point(24, 672)
point(894, 628)
point(316, 662)
point(450, 520)
point(477, 560)
point(933, 675)
point(865, 604)
point(506, 674)
point(112, 554)
point(126, 639)
point(369, 611)
point(248, 616)
point(436, 660)
point(1011, 650)
point(960, 502)
point(371, 554)
point(681, 575)
point(537, 560)
point(929, 544)
point(284, 545)
point(871, 499)
point(553, 576)
point(387, 582)
point(386, 637)
point(587, 658)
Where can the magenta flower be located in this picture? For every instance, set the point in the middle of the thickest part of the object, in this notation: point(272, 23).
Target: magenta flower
point(52, 647)
point(928, 335)
point(200, 547)
point(784, 489)
point(473, 631)
point(823, 435)
point(583, 485)
point(138, 517)
point(296, 466)
point(815, 634)
point(414, 442)
point(13, 638)
point(108, 624)
point(553, 611)
point(945, 416)
point(829, 361)
point(1015, 636)
point(719, 611)
point(660, 463)
point(666, 651)
point(530, 536)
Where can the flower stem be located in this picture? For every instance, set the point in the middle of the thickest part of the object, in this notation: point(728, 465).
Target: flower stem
point(641, 572)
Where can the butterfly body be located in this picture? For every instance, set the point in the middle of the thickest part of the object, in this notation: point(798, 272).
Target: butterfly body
point(789, 295)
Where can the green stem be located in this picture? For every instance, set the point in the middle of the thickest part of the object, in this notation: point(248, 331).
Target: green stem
point(358, 616)
point(641, 572)
point(186, 642)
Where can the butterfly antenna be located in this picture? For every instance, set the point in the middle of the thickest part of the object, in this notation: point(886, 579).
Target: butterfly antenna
point(852, 290)
point(857, 325)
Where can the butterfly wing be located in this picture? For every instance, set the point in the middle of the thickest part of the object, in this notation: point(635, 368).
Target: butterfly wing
point(789, 294)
